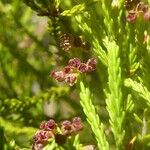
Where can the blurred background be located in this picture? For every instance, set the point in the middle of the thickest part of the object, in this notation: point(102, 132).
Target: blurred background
point(29, 51)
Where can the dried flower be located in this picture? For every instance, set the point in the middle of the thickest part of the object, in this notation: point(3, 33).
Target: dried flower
point(70, 72)
point(66, 42)
point(68, 69)
point(75, 62)
point(66, 127)
point(43, 125)
point(58, 75)
point(76, 123)
point(50, 125)
point(42, 136)
point(83, 68)
point(70, 79)
point(50, 130)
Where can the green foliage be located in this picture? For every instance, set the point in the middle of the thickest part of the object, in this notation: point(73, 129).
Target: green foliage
point(113, 100)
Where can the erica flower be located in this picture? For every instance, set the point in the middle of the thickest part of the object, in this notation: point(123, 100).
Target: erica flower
point(75, 67)
point(141, 9)
point(71, 79)
point(40, 139)
point(83, 68)
point(49, 125)
point(132, 16)
point(58, 75)
point(71, 127)
point(66, 42)
point(49, 129)
point(66, 127)
point(75, 62)
point(77, 124)
point(68, 69)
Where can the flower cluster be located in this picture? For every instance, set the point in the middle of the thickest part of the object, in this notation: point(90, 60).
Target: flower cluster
point(49, 130)
point(141, 10)
point(70, 72)
point(68, 41)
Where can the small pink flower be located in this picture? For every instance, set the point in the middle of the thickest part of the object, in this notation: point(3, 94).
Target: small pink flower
point(42, 136)
point(75, 62)
point(66, 127)
point(50, 125)
point(58, 75)
point(83, 68)
point(77, 124)
point(71, 79)
point(68, 69)
point(132, 16)
point(66, 42)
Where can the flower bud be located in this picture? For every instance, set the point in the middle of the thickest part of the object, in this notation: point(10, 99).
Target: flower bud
point(77, 124)
point(58, 75)
point(66, 42)
point(75, 62)
point(83, 68)
point(70, 79)
point(50, 125)
point(41, 137)
point(66, 127)
point(68, 69)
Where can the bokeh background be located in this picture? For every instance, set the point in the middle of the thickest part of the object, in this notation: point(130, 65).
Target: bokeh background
point(29, 51)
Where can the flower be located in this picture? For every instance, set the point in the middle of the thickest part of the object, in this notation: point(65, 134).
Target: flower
point(68, 69)
point(71, 79)
point(69, 73)
point(132, 16)
point(83, 68)
point(147, 16)
point(58, 75)
point(66, 41)
point(66, 127)
point(49, 129)
point(75, 62)
point(40, 139)
point(76, 123)
point(91, 63)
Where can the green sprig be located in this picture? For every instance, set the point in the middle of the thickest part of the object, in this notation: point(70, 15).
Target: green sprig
point(114, 97)
point(92, 117)
point(139, 88)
